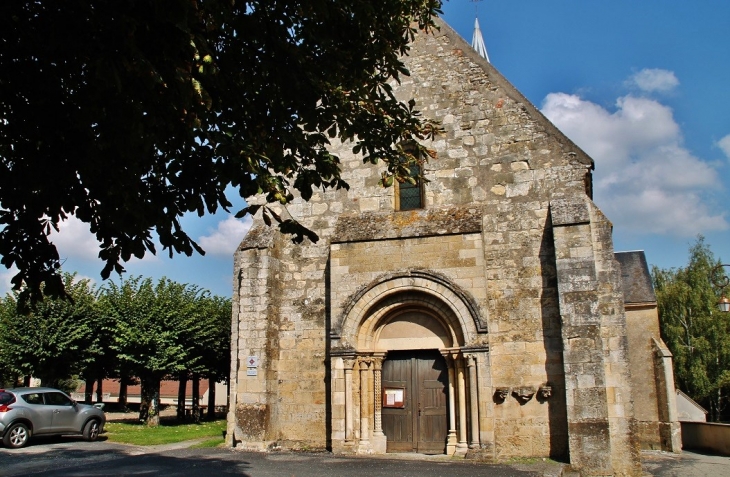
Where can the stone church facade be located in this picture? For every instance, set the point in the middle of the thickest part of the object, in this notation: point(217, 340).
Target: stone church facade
point(481, 313)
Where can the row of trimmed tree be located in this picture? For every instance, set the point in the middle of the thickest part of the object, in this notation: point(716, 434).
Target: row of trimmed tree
point(135, 330)
point(694, 329)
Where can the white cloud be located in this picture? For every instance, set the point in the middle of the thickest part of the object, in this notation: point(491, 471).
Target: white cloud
point(5, 276)
point(654, 80)
point(74, 241)
point(79, 278)
point(226, 237)
point(724, 144)
point(645, 180)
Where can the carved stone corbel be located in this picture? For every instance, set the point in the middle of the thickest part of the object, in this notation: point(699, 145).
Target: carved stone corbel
point(500, 394)
point(544, 393)
point(523, 394)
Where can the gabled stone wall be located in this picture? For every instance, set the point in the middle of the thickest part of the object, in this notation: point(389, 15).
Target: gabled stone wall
point(523, 259)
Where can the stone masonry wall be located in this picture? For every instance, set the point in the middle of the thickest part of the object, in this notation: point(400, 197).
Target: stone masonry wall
point(622, 423)
point(598, 381)
point(253, 312)
point(642, 326)
point(501, 161)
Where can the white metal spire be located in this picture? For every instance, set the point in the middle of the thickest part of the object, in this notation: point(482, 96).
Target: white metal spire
point(477, 41)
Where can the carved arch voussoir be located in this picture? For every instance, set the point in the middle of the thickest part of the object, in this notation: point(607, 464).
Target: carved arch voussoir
point(424, 281)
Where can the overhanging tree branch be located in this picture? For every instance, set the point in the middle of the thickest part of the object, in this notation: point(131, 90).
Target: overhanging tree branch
point(130, 113)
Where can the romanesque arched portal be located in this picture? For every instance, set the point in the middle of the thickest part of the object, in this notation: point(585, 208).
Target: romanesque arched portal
point(404, 377)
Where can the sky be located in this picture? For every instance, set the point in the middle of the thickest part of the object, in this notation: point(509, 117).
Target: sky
point(642, 86)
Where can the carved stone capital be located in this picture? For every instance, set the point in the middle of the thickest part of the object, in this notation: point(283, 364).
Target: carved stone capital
point(377, 360)
point(364, 362)
point(451, 356)
point(349, 363)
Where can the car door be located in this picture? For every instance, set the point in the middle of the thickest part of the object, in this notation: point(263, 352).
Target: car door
point(63, 412)
point(37, 412)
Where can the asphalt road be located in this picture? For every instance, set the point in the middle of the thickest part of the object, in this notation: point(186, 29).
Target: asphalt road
point(73, 457)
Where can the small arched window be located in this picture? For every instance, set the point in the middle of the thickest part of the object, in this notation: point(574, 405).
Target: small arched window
point(409, 195)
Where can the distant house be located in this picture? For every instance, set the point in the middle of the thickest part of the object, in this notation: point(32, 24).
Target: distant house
point(168, 392)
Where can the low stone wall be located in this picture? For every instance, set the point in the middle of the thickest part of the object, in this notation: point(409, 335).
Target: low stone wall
point(707, 436)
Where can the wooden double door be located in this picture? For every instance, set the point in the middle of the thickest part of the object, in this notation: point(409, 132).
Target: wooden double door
point(420, 423)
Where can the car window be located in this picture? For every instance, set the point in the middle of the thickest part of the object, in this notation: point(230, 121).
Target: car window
point(6, 398)
point(33, 398)
point(57, 399)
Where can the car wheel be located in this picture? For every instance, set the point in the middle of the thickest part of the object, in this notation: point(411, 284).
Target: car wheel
point(91, 430)
point(17, 436)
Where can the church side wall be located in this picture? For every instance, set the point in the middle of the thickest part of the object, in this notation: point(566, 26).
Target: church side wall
point(643, 325)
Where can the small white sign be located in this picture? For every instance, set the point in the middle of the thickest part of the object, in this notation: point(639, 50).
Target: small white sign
point(252, 372)
point(252, 362)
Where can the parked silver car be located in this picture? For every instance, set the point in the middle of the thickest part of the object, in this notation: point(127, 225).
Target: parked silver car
point(26, 412)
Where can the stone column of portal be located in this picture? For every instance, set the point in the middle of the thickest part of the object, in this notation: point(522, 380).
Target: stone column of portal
point(364, 446)
point(379, 440)
point(451, 439)
point(349, 363)
point(471, 361)
point(462, 447)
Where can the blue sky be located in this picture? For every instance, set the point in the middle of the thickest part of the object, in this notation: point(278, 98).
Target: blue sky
point(641, 86)
point(644, 88)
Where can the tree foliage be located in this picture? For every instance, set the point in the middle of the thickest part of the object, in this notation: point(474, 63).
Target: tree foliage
point(56, 339)
point(162, 330)
point(128, 114)
point(152, 331)
point(695, 331)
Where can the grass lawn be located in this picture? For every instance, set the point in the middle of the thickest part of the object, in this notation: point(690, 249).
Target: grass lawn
point(168, 432)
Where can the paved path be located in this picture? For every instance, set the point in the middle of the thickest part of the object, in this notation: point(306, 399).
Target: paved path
point(69, 457)
point(73, 458)
point(686, 464)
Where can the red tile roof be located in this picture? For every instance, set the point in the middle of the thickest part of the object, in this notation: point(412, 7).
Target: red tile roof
point(168, 389)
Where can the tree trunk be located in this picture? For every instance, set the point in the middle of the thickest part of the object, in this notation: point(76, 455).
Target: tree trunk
point(196, 397)
point(716, 407)
point(211, 399)
point(89, 391)
point(99, 391)
point(26, 380)
point(181, 391)
point(149, 407)
point(123, 393)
